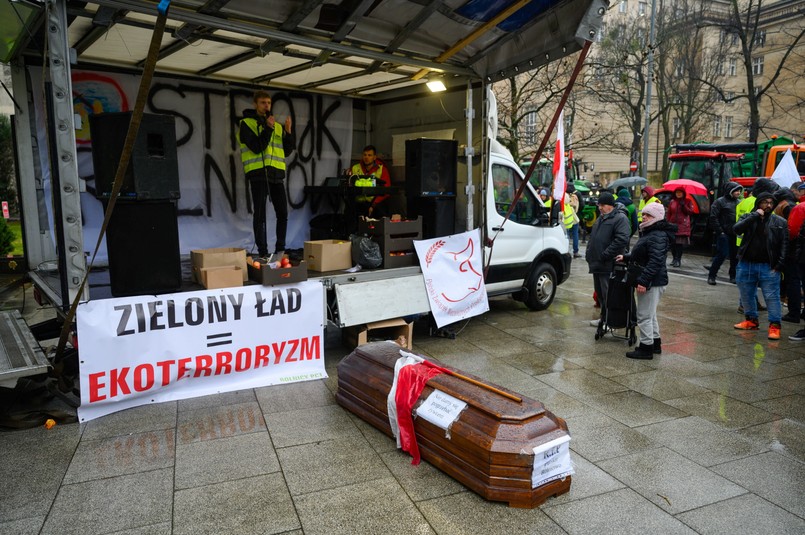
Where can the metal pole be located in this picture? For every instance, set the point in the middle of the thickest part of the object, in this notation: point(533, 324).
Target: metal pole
point(648, 87)
point(469, 153)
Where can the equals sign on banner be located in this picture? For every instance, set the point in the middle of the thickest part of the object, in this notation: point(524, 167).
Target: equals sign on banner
point(219, 339)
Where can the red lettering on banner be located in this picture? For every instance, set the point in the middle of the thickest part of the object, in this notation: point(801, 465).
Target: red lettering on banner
point(223, 362)
point(139, 385)
point(311, 349)
point(182, 371)
point(166, 371)
point(95, 384)
point(118, 380)
point(261, 356)
point(292, 353)
point(278, 352)
point(203, 364)
point(243, 359)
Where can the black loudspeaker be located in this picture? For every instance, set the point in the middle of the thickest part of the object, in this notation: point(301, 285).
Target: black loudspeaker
point(153, 172)
point(142, 240)
point(438, 215)
point(430, 167)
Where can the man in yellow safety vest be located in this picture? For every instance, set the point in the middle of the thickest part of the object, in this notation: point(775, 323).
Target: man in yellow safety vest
point(264, 143)
point(369, 205)
point(646, 196)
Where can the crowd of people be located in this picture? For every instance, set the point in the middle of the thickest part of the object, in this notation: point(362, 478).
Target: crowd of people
point(762, 234)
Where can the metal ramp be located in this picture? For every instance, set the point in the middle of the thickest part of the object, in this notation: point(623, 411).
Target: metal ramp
point(20, 354)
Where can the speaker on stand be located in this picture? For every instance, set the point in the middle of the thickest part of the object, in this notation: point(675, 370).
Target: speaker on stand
point(142, 239)
point(430, 184)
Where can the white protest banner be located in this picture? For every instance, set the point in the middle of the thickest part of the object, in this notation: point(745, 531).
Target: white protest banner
point(786, 174)
point(453, 272)
point(552, 461)
point(441, 409)
point(150, 349)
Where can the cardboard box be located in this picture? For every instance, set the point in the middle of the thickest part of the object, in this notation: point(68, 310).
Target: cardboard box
point(392, 229)
point(328, 255)
point(220, 257)
point(273, 277)
point(358, 335)
point(221, 277)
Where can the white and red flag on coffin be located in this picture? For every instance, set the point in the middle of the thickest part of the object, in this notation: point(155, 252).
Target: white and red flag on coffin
point(559, 180)
point(411, 372)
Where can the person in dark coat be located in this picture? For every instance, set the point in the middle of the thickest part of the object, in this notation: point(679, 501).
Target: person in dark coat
point(722, 219)
point(761, 258)
point(609, 237)
point(650, 251)
point(679, 211)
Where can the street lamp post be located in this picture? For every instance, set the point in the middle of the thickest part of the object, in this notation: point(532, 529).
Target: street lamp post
point(648, 87)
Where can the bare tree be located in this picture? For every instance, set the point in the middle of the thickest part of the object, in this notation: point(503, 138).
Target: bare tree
point(614, 85)
point(743, 19)
point(525, 104)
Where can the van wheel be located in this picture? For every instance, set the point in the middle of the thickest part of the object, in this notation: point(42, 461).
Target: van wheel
point(541, 287)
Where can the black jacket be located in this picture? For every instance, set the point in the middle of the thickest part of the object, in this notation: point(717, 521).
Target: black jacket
point(773, 227)
point(609, 237)
point(650, 252)
point(722, 214)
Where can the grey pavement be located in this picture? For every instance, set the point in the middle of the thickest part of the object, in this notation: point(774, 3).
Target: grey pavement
point(708, 437)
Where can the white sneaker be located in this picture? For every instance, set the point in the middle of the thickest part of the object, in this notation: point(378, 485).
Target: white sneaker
point(595, 323)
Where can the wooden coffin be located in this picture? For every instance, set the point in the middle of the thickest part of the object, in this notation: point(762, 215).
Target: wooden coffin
point(490, 448)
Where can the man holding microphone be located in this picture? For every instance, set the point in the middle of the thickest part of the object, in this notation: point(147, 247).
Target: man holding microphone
point(264, 143)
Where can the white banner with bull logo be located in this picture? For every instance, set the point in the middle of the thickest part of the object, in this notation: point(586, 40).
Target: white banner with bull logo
point(453, 272)
point(150, 349)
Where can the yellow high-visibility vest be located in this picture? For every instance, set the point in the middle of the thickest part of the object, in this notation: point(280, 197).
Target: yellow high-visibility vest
point(366, 182)
point(273, 156)
point(642, 205)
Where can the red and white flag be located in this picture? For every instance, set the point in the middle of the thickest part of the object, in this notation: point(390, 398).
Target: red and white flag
point(411, 372)
point(559, 182)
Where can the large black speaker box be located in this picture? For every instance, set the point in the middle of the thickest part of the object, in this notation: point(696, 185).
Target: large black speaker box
point(438, 215)
point(430, 167)
point(142, 240)
point(153, 172)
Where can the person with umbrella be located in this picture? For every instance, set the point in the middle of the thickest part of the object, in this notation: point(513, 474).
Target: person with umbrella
point(679, 211)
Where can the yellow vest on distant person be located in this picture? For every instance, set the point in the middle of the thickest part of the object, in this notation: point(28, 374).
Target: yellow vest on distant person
point(744, 207)
point(366, 182)
point(642, 205)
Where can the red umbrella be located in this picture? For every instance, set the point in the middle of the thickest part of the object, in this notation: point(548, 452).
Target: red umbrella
point(691, 187)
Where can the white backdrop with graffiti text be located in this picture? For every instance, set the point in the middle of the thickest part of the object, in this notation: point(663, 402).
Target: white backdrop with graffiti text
point(215, 206)
point(151, 349)
point(453, 273)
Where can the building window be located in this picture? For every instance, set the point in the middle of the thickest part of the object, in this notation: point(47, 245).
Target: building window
point(759, 39)
point(729, 97)
point(531, 127)
point(641, 36)
point(757, 94)
point(757, 65)
point(720, 70)
point(622, 7)
point(733, 67)
point(717, 126)
point(677, 126)
point(728, 126)
point(641, 8)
